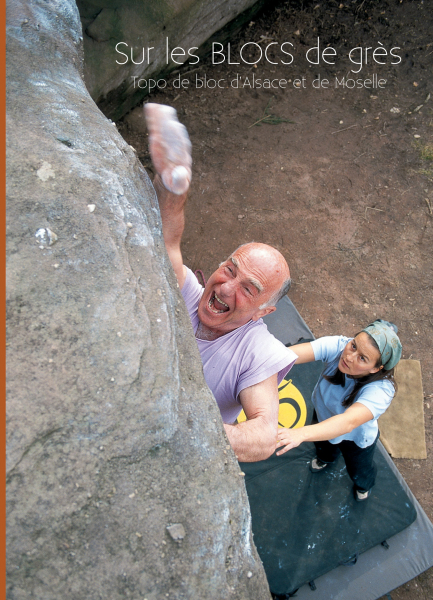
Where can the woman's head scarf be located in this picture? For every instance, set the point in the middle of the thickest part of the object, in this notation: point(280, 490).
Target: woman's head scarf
point(386, 338)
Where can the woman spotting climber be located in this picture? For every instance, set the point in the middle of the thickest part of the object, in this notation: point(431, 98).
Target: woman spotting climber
point(355, 388)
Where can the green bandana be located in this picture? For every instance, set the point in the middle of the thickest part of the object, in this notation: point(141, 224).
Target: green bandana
point(387, 341)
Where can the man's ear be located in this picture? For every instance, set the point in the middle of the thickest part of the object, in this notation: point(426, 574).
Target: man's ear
point(262, 312)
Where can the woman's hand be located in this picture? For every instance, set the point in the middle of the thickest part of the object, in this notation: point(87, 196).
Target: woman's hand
point(290, 438)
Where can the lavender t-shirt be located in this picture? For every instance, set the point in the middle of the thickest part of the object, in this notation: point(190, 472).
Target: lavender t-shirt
point(237, 360)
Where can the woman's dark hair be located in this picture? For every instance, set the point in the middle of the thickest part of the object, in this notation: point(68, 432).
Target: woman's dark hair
point(338, 377)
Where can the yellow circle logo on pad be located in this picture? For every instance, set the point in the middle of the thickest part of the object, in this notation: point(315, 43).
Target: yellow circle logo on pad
point(293, 409)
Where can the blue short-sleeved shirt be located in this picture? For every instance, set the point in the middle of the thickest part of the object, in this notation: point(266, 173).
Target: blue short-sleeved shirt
point(327, 398)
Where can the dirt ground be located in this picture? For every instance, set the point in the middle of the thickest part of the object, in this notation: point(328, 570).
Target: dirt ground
point(344, 190)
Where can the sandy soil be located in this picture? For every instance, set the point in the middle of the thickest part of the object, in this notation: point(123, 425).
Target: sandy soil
point(343, 187)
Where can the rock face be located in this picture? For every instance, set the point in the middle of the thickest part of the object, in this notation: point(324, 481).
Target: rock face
point(120, 483)
point(137, 25)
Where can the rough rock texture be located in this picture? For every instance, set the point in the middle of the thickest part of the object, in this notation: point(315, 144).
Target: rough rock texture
point(112, 435)
point(139, 25)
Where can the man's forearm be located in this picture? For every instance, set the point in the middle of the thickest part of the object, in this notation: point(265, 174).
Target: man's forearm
point(172, 208)
point(170, 149)
point(173, 222)
point(252, 440)
point(255, 438)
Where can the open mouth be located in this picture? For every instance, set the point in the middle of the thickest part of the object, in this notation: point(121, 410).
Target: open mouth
point(216, 305)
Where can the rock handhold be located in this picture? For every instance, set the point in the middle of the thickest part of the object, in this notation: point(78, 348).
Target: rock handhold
point(177, 531)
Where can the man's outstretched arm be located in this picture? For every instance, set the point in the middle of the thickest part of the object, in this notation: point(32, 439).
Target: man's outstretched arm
point(255, 439)
point(170, 149)
point(171, 207)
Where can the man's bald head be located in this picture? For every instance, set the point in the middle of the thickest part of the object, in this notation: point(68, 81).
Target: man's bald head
point(245, 287)
point(269, 259)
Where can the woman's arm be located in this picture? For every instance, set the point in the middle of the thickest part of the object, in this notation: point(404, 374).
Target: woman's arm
point(353, 417)
point(304, 352)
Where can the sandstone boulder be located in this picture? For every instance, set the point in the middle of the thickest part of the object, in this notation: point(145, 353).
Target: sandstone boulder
point(120, 483)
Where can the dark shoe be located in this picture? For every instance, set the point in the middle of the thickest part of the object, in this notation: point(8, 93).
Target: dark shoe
point(361, 496)
point(317, 465)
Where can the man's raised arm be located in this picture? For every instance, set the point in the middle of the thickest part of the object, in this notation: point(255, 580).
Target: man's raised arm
point(170, 149)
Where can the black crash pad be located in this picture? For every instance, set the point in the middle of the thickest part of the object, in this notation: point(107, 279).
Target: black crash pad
point(306, 524)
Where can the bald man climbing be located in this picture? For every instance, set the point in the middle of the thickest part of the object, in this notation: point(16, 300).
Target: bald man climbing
point(242, 362)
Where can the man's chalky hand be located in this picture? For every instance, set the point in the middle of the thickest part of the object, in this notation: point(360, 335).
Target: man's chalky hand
point(170, 147)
